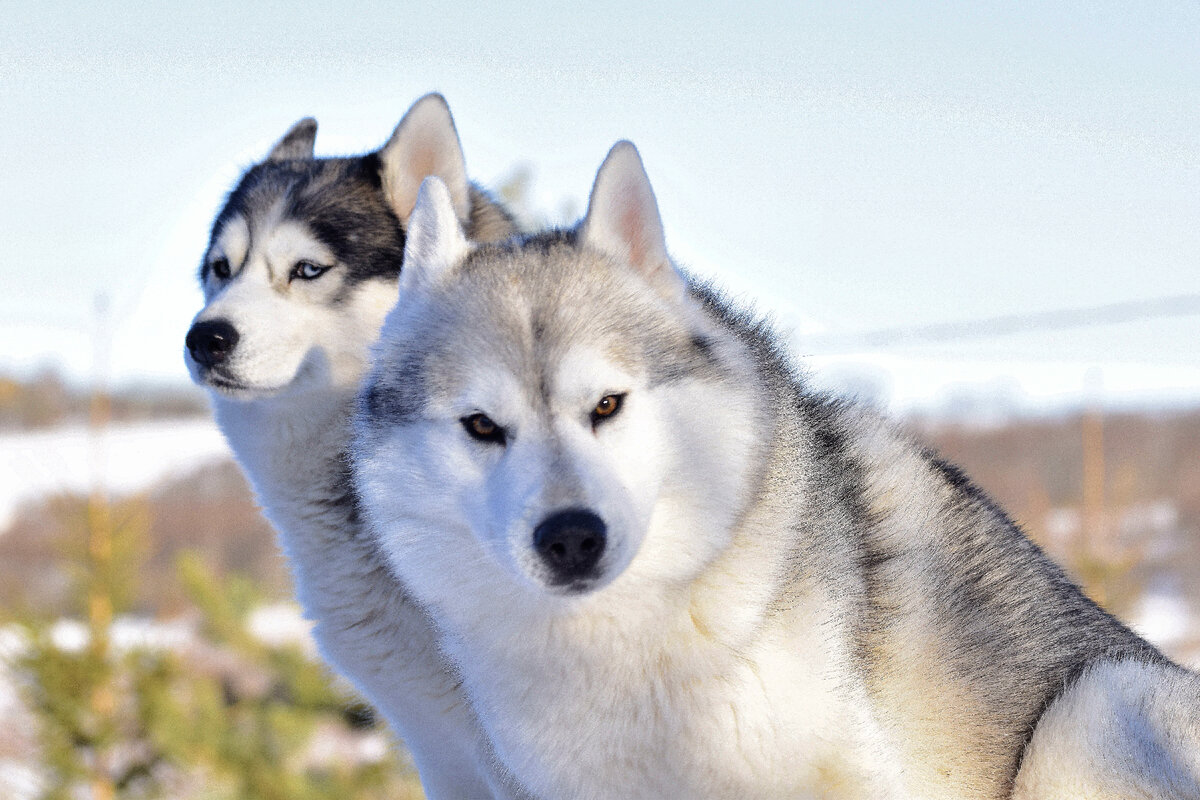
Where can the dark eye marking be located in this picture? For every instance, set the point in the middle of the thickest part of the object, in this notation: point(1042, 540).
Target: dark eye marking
point(220, 268)
point(608, 407)
point(308, 271)
point(483, 429)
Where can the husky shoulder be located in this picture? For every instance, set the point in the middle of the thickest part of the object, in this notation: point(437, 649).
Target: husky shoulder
point(1122, 729)
point(1078, 705)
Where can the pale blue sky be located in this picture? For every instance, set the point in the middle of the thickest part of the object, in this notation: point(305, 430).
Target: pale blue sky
point(850, 167)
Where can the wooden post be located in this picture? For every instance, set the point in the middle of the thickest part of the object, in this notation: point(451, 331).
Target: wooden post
point(1094, 544)
point(100, 549)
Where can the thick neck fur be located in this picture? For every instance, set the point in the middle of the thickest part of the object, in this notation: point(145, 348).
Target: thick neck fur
point(291, 445)
point(861, 589)
point(701, 666)
point(956, 589)
point(367, 626)
point(292, 449)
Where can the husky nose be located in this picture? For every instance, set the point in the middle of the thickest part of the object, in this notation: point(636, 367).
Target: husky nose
point(570, 543)
point(210, 342)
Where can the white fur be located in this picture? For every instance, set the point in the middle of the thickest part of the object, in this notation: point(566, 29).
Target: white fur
point(435, 240)
point(655, 685)
point(233, 244)
point(666, 678)
point(1123, 730)
point(366, 628)
point(297, 367)
point(623, 220)
point(283, 323)
point(716, 654)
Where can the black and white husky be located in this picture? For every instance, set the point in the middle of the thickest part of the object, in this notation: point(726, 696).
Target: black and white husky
point(300, 270)
point(666, 569)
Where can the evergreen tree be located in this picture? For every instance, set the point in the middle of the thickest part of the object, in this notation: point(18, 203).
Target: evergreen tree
point(220, 715)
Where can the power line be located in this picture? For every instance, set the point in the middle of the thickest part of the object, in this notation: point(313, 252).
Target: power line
point(1007, 324)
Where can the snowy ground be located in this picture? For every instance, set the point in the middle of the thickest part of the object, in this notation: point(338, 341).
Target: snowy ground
point(136, 457)
point(127, 458)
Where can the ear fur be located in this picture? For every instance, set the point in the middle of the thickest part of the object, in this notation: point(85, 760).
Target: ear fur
point(623, 221)
point(297, 143)
point(434, 242)
point(424, 143)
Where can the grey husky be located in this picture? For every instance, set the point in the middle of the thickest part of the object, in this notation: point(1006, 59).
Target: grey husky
point(300, 270)
point(665, 568)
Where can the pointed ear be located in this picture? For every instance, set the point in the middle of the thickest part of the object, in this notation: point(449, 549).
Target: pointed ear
point(434, 242)
point(622, 219)
point(424, 143)
point(297, 143)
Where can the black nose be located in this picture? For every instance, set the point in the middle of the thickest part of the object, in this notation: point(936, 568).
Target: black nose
point(570, 543)
point(211, 342)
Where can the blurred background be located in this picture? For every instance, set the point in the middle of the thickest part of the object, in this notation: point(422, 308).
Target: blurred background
point(981, 218)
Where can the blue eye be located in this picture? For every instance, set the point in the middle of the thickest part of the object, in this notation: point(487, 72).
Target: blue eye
point(307, 270)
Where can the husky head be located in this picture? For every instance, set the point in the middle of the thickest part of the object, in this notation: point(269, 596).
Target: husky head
point(556, 413)
point(302, 261)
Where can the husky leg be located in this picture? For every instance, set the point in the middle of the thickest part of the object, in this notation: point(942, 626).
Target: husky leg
point(1124, 729)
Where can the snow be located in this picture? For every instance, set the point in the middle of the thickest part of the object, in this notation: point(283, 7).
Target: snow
point(981, 390)
point(1163, 619)
point(119, 460)
point(281, 624)
point(70, 635)
point(20, 780)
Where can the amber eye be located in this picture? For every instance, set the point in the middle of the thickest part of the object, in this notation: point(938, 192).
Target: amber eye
point(608, 406)
point(481, 427)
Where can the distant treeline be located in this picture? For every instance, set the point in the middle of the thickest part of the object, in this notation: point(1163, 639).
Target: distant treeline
point(209, 512)
point(1032, 468)
point(47, 399)
point(1145, 528)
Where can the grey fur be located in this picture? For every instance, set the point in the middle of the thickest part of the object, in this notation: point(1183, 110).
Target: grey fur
point(512, 292)
point(297, 143)
point(342, 201)
point(963, 632)
point(291, 444)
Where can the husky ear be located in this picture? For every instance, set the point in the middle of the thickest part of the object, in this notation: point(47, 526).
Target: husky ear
point(424, 143)
point(297, 143)
point(434, 242)
point(622, 219)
